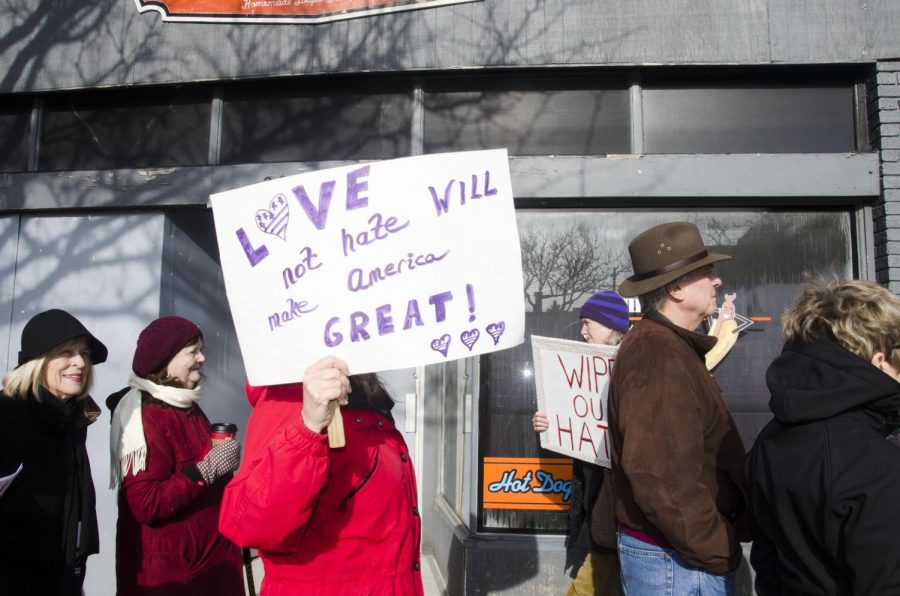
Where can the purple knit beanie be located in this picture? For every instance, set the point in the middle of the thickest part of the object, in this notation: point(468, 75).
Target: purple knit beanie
point(160, 341)
point(607, 308)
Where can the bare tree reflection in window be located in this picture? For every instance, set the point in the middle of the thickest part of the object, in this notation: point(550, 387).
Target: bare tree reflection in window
point(563, 265)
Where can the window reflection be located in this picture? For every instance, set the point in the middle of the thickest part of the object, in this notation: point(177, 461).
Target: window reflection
point(14, 137)
point(319, 123)
point(529, 122)
point(450, 435)
point(568, 255)
point(129, 130)
point(749, 120)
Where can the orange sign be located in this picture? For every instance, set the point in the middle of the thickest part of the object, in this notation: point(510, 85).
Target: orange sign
point(279, 11)
point(527, 483)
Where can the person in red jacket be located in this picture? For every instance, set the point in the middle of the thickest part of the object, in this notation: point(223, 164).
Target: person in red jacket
point(326, 521)
point(170, 476)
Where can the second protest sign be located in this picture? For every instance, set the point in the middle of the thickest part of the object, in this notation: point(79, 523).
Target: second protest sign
point(572, 382)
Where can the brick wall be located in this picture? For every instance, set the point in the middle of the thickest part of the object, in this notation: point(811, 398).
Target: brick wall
point(884, 116)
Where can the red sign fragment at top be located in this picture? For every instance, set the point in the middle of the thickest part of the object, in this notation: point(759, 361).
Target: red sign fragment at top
point(279, 11)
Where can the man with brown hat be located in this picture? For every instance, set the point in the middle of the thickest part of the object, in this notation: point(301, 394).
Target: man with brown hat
point(677, 458)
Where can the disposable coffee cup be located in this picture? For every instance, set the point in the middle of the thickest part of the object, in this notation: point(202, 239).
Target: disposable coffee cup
point(222, 431)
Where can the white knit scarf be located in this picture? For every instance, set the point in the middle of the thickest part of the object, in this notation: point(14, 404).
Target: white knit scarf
point(127, 445)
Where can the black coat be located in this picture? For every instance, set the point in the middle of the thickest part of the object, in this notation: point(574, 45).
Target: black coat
point(824, 481)
point(587, 480)
point(48, 523)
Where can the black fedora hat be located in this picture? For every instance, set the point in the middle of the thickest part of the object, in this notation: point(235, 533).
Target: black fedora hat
point(664, 253)
point(46, 330)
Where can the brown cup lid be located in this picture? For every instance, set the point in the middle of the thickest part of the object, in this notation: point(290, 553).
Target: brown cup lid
point(223, 427)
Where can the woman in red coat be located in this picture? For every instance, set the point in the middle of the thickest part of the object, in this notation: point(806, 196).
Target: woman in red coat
point(326, 521)
point(171, 479)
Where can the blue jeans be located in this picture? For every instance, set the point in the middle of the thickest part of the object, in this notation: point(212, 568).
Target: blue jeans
point(650, 570)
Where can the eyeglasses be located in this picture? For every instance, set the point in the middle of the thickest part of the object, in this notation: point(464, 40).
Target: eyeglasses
point(708, 271)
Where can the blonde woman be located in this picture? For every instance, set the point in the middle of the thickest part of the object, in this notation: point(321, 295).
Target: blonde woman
point(48, 522)
point(824, 481)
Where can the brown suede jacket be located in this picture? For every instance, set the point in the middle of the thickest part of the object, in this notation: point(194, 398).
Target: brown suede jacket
point(677, 458)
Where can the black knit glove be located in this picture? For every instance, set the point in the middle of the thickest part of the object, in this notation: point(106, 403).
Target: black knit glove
point(220, 460)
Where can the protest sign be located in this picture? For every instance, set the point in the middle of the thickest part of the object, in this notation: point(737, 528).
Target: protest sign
point(386, 264)
point(572, 381)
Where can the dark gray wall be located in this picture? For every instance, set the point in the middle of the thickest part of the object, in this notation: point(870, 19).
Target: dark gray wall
point(60, 44)
point(192, 286)
point(104, 269)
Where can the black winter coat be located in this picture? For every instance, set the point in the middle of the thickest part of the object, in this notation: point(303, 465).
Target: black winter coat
point(824, 481)
point(48, 523)
point(587, 480)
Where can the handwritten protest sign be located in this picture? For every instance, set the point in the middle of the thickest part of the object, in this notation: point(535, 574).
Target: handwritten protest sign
point(572, 380)
point(386, 265)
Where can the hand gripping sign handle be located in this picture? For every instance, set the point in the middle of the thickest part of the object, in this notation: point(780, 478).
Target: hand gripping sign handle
point(336, 426)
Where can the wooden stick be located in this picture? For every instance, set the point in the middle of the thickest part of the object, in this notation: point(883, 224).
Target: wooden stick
point(336, 426)
point(248, 566)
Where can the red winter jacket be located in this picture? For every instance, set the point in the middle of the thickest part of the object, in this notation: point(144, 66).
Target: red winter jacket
point(167, 540)
point(326, 521)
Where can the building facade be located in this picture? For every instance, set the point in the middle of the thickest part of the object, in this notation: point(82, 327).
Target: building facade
point(772, 124)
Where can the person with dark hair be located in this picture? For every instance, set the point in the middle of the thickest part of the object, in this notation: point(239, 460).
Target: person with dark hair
point(326, 520)
point(48, 521)
point(824, 481)
point(594, 564)
point(170, 476)
point(677, 457)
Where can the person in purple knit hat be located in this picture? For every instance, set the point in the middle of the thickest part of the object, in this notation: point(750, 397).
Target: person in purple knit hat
point(594, 566)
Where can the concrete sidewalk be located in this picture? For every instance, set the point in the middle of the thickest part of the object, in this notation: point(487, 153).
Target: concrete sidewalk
point(431, 576)
point(435, 584)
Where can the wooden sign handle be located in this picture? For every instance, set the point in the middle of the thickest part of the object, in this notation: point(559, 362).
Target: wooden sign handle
point(336, 426)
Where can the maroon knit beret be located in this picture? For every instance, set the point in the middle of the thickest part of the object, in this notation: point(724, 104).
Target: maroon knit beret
point(160, 341)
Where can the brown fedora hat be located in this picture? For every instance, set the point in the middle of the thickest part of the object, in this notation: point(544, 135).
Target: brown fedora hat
point(664, 253)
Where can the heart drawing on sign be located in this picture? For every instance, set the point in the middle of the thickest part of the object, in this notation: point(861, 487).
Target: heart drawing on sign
point(274, 220)
point(469, 338)
point(441, 344)
point(495, 330)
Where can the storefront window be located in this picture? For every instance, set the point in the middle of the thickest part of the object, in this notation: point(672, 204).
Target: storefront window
point(327, 122)
point(14, 137)
point(125, 130)
point(708, 119)
point(568, 255)
point(534, 117)
point(450, 436)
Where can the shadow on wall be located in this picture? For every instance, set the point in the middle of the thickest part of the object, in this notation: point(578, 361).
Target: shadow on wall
point(105, 270)
point(192, 286)
point(116, 273)
point(112, 44)
point(509, 566)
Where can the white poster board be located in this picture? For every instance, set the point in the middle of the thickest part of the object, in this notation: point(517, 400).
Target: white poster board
point(572, 381)
point(386, 264)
